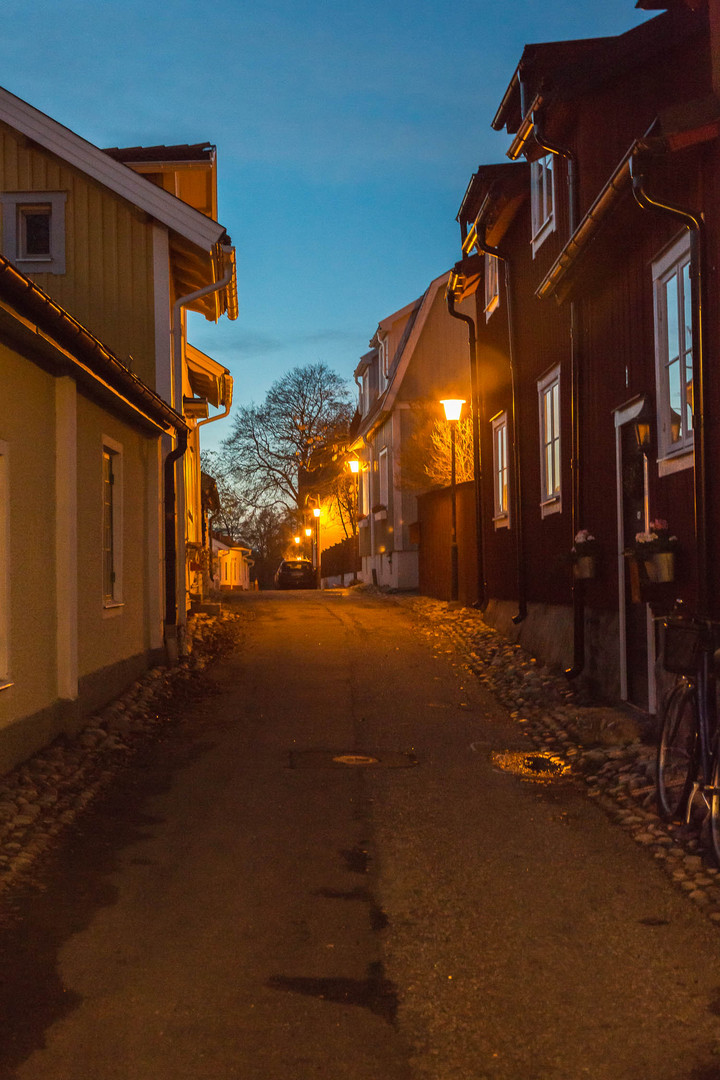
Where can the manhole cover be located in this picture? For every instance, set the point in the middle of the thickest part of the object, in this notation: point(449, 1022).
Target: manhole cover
point(540, 767)
point(338, 759)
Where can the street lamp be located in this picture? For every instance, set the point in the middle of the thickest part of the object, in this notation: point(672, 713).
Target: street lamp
point(316, 515)
point(354, 467)
point(453, 408)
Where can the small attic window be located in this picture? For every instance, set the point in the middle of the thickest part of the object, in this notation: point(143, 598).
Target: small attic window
point(33, 230)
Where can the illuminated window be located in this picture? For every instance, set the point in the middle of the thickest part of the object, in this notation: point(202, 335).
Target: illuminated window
point(383, 475)
point(549, 406)
point(492, 284)
point(112, 517)
point(33, 230)
point(673, 349)
point(542, 199)
point(501, 471)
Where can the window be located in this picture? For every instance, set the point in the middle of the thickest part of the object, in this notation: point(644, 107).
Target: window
point(384, 361)
point(4, 570)
point(112, 524)
point(33, 230)
point(673, 350)
point(501, 472)
point(542, 199)
point(492, 284)
point(383, 476)
point(549, 406)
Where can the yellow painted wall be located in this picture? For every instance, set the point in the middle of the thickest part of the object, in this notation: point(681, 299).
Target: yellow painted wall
point(108, 279)
point(108, 636)
point(29, 431)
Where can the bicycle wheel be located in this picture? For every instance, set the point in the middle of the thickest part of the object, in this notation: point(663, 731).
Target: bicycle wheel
point(715, 803)
point(676, 758)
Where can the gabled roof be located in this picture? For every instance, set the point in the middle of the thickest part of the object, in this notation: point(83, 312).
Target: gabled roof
point(182, 219)
point(419, 309)
point(564, 69)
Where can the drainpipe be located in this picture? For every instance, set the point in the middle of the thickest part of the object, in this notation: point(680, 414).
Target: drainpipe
point(697, 286)
point(517, 500)
point(578, 586)
point(477, 408)
point(172, 644)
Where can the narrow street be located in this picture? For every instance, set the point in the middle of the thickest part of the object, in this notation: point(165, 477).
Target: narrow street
point(239, 905)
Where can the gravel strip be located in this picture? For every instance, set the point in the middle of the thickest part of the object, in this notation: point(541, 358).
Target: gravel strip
point(44, 795)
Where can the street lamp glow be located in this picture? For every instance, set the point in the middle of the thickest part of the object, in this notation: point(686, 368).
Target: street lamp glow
point(297, 539)
point(453, 408)
point(354, 465)
point(316, 511)
point(308, 531)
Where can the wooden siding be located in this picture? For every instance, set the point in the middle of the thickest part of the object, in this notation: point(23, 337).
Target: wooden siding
point(108, 280)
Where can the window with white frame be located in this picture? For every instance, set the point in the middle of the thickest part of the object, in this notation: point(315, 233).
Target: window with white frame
point(33, 230)
point(112, 522)
point(542, 199)
point(492, 283)
point(384, 361)
point(5, 680)
point(673, 349)
point(549, 408)
point(501, 471)
point(383, 476)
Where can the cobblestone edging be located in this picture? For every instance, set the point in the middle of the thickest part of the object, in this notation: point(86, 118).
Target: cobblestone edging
point(45, 794)
point(603, 746)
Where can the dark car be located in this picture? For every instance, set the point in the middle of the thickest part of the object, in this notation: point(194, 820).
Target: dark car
point(295, 574)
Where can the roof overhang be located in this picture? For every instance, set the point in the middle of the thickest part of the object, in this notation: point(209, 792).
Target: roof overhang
point(208, 379)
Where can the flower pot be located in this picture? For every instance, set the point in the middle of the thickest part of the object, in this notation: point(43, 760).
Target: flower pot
point(661, 566)
point(584, 566)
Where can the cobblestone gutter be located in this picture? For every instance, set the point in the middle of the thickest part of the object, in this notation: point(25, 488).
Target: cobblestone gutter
point(41, 797)
point(604, 746)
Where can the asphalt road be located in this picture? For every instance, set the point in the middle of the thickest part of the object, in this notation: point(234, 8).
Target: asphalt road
point(242, 907)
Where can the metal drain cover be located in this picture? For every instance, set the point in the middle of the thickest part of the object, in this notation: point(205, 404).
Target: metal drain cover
point(539, 767)
point(338, 759)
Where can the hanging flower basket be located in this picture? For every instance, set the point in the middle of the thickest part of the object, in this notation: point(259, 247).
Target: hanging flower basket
point(654, 553)
point(584, 555)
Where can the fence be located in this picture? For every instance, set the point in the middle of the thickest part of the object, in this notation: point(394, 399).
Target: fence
point(340, 559)
point(434, 559)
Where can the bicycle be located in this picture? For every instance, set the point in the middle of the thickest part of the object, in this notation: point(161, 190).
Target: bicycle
point(688, 758)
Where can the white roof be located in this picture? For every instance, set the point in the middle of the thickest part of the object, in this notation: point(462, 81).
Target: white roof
point(65, 144)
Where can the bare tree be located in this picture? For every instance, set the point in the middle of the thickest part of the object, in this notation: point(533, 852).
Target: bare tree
point(425, 455)
point(274, 443)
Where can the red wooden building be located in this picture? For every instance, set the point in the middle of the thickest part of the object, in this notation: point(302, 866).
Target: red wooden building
point(593, 254)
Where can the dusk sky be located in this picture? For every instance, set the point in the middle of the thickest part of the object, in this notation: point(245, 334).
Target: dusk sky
point(346, 132)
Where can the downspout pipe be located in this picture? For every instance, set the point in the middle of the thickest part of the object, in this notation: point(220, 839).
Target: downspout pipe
point(172, 644)
point(694, 223)
point(477, 408)
point(578, 586)
point(517, 490)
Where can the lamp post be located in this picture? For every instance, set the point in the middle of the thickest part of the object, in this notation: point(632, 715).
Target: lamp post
point(453, 408)
point(316, 515)
point(354, 467)
point(308, 534)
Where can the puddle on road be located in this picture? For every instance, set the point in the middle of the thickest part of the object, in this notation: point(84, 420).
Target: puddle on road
point(540, 768)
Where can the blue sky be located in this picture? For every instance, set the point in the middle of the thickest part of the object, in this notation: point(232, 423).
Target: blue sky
point(346, 132)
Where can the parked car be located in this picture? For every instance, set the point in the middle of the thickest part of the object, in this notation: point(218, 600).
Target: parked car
point(295, 574)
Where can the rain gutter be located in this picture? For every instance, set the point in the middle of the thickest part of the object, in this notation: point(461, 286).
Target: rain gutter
point(483, 246)
point(478, 408)
point(578, 585)
point(693, 222)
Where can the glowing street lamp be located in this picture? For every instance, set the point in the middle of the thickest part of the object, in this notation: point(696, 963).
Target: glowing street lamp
point(316, 515)
point(354, 467)
point(453, 409)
